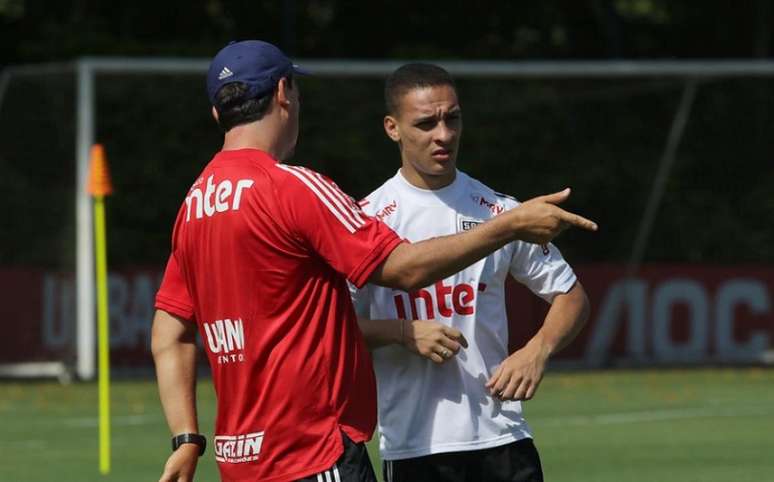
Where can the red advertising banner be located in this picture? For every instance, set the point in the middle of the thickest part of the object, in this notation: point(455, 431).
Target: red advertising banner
point(667, 314)
point(38, 316)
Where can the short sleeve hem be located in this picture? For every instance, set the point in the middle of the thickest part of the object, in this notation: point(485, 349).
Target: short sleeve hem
point(363, 271)
point(174, 307)
point(561, 286)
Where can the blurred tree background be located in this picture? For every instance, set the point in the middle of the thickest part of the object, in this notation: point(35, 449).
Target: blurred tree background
point(603, 137)
point(35, 30)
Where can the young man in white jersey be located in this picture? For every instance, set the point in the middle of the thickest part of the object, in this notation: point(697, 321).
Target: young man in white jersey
point(448, 390)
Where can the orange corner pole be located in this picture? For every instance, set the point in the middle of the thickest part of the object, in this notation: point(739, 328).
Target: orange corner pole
point(99, 186)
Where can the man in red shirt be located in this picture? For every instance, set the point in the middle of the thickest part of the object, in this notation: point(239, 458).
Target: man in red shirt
point(261, 255)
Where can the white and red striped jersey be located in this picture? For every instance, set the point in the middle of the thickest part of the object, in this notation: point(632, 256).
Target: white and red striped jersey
point(261, 255)
point(426, 408)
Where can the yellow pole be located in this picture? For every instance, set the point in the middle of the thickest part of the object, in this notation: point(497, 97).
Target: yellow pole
point(103, 335)
point(99, 186)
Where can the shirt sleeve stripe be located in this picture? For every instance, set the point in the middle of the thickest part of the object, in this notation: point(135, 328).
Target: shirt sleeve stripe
point(339, 200)
point(327, 190)
point(343, 197)
point(319, 195)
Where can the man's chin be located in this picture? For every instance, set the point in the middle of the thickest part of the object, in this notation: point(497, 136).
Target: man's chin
point(443, 168)
point(442, 171)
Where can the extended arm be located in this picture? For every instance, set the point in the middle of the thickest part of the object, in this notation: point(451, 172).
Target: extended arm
point(173, 343)
point(539, 220)
point(519, 375)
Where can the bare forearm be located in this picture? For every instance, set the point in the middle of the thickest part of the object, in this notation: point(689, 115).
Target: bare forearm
point(177, 388)
point(412, 266)
point(428, 338)
point(564, 321)
point(174, 353)
point(539, 220)
point(519, 375)
point(378, 333)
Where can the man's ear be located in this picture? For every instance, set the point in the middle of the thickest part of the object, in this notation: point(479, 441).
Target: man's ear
point(215, 114)
point(391, 128)
point(282, 95)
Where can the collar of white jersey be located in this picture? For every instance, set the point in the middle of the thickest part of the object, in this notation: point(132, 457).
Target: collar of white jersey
point(431, 197)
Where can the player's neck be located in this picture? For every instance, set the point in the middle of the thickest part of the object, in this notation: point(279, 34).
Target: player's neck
point(426, 181)
point(249, 136)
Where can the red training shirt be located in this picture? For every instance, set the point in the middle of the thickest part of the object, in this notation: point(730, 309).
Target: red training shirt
point(260, 256)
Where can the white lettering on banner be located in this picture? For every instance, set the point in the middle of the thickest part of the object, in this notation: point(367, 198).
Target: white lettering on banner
point(131, 310)
point(735, 293)
point(644, 310)
point(627, 302)
point(623, 296)
point(236, 449)
point(221, 193)
point(58, 311)
point(131, 301)
point(118, 293)
point(668, 295)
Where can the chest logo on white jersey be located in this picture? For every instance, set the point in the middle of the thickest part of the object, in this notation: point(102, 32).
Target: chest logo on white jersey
point(466, 224)
point(492, 205)
point(387, 210)
point(424, 303)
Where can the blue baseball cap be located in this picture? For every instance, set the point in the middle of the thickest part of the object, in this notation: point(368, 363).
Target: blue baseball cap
point(259, 65)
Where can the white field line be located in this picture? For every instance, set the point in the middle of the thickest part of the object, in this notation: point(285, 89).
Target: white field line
point(596, 419)
point(562, 420)
point(93, 421)
point(653, 415)
point(117, 420)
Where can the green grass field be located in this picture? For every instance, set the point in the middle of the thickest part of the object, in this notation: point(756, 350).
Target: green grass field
point(650, 426)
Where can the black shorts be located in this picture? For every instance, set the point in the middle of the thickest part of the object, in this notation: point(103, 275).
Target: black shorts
point(514, 462)
point(353, 466)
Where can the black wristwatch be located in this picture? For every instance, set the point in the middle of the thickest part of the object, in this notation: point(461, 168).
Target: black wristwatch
point(190, 438)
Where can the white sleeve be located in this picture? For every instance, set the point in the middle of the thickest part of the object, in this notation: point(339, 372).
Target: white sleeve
point(542, 269)
point(360, 300)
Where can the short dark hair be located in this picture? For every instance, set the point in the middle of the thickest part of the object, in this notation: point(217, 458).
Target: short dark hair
point(413, 76)
point(233, 109)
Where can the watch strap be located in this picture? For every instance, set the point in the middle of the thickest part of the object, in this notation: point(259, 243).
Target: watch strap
point(190, 438)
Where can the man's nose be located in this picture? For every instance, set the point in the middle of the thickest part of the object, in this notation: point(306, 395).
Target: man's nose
point(444, 134)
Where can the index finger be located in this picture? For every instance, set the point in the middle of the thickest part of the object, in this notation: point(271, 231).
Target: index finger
point(578, 221)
